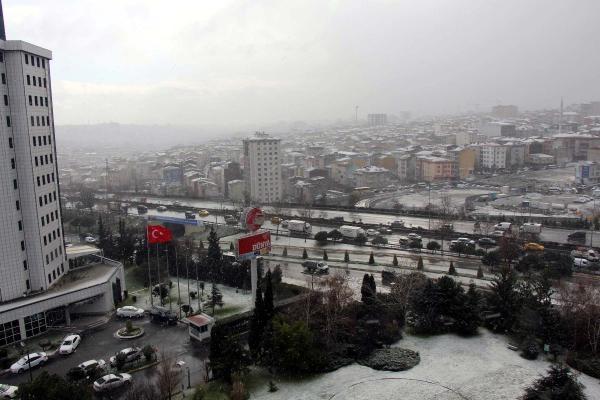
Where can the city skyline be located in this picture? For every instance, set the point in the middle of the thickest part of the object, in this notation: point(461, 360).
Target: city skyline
point(238, 64)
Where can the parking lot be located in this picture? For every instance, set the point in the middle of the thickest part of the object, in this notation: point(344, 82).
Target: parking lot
point(170, 341)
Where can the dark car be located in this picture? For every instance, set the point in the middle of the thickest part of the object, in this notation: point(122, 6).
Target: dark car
point(162, 315)
point(485, 241)
point(577, 237)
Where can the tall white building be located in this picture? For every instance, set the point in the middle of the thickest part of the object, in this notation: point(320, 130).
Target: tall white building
point(33, 256)
point(262, 168)
point(493, 156)
point(31, 237)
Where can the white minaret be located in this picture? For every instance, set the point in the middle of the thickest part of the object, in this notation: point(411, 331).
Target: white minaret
point(31, 235)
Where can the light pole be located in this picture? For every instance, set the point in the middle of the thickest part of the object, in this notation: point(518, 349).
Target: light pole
point(592, 225)
point(24, 346)
point(429, 205)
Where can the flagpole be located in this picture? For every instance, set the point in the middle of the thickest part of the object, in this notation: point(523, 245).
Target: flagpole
point(149, 274)
point(187, 271)
point(168, 275)
point(177, 273)
point(158, 275)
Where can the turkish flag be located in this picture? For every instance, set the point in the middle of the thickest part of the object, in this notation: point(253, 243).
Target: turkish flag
point(159, 234)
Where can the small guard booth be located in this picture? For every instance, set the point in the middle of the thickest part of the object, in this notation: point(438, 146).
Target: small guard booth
point(200, 326)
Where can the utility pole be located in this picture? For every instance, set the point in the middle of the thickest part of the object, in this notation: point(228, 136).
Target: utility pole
point(429, 206)
point(356, 114)
point(106, 161)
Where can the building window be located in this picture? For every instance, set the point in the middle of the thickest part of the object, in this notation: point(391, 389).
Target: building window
point(5, 99)
point(12, 163)
point(22, 245)
point(20, 225)
point(40, 81)
point(3, 78)
point(45, 82)
point(15, 185)
point(8, 121)
point(1, 57)
point(35, 100)
point(35, 324)
point(26, 59)
point(10, 332)
point(10, 141)
point(48, 120)
point(38, 61)
point(25, 268)
point(32, 121)
point(43, 63)
point(18, 205)
point(28, 79)
point(27, 284)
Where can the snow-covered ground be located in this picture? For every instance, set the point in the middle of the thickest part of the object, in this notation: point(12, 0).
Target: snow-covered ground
point(451, 368)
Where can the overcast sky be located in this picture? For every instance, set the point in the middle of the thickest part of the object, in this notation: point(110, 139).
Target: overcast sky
point(246, 62)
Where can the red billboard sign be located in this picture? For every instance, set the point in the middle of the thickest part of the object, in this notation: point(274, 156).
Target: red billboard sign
point(253, 218)
point(254, 245)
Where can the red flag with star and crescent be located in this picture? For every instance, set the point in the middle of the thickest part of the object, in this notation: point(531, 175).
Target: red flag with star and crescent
point(159, 234)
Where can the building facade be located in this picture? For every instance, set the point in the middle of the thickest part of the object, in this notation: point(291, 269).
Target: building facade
point(262, 168)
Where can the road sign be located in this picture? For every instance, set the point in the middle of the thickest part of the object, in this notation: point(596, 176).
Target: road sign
point(253, 245)
point(252, 218)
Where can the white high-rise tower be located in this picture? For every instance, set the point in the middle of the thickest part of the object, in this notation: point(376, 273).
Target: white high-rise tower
point(31, 237)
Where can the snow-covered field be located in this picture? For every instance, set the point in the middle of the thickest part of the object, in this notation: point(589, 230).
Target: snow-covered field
point(451, 368)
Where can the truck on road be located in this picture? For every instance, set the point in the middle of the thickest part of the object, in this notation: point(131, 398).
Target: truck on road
point(299, 227)
point(531, 227)
point(588, 254)
point(351, 232)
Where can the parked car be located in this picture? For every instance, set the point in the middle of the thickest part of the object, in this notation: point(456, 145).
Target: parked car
point(130, 312)
point(577, 236)
point(284, 223)
point(161, 209)
point(497, 233)
point(466, 241)
point(203, 213)
point(90, 365)
point(315, 267)
point(69, 344)
point(486, 241)
point(372, 232)
point(90, 239)
point(385, 231)
point(403, 241)
point(580, 262)
point(8, 392)
point(276, 220)
point(533, 247)
point(112, 381)
point(163, 315)
point(131, 354)
point(31, 360)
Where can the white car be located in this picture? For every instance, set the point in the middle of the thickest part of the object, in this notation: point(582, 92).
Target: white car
point(111, 381)
point(90, 365)
point(131, 354)
point(580, 262)
point(8, 392)
point(90, 239)
point(372, 232)
point(414, 236)
point(130, 312)
point(69, 344)
point(30, 360)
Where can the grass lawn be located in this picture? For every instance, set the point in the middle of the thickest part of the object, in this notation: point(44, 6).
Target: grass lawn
point(224, 311)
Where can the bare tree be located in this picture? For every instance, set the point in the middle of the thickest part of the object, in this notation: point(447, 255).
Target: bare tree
point(337, 294)
point(580, 304)
point(168, 376)
point(142, 391)
point(405, 285)
point(447, 216)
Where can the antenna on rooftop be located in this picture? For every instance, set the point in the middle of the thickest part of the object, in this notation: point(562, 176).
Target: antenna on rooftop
point(2, 31)
point(356, 114)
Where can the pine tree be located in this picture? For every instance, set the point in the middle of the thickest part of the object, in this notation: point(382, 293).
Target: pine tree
point(277, 274)
point(365, 290)
point(373, 286)
point(395, 261)
point(216, 298)
point(452, 270)
point(304, 254)
point(371, 259)
point(231, 247)
point(420, 264)
point(269, 306)
point(346, 257)
point(558, 384)
point(325, 257)
point(480, 273)
point(214, 249)
point(201, 246)
point(284, 254)
point(257, 325)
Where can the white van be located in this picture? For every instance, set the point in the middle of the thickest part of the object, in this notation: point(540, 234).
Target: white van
point(503, 226)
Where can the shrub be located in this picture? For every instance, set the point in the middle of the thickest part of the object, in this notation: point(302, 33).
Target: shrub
point(371, 259)
point(148, 352)
point(134, 298)
point(395, 261)
point(452, 270)
point(304, 254)
point(321, 237)
point(128, 326)
point(193, 294)
point(360, 239)
point(284, 252)
point(272, 387)
point(530, 350)
point(325, 257)
point(346, 256)
point(480, 273)
point(379, 240)
point(120, 360)
point(420, 263)
point(433, 245)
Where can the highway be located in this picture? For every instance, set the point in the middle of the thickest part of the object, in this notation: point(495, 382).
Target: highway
point(548, 234)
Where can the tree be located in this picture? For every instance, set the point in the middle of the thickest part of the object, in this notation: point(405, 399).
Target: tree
point(452, 270)
point(216, 298)
point(321, 238)
point(346, 257)
point(257, 325)
point(269, 305)
point(105, 239)
point(285, 253)
point(479, 272)
point(304, 254)
point(371, 259)
point(325, 257)
point(227, 356)
point(277, 274)
point(231, 247)
point(143, 391)
point(558, 384)
point(468, 316)
point(433, 246)
point(504, 299)
point(395, 261)
point(509, 249)
point(294, 349)
point(420, 264)
point(148, 352)
point(335, 235)
point(125, 242)
point(491, 258)
point(379, 240)
point(87, 198)
point(47, 386)
point(360, 239)
point(168, 376)
point(368, 290)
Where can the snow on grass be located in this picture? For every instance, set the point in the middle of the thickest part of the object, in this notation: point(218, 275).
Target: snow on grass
point(451, 367)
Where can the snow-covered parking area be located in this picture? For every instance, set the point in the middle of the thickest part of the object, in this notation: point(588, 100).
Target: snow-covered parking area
point(451, 368)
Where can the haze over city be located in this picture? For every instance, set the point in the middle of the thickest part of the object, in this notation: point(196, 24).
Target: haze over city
point(235, 64)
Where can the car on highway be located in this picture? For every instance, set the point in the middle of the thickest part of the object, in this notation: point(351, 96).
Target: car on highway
point(8, 392)
point(581, 262)
point(413, 236)
point(497, 233)
point(161, 208)
point(284, 223)
point(466, 241)
point(90, 365)
point(31, 360)
point(486, 241)
point(385, 231)
point(276, 220)
point(130, 312)
point(531, 246)
point(577, 236)
point(112, 381)
point(315, 267)
point(69, 344)
point(203, 213)
point(372, 232)
point(89, 239)
point(131, 354)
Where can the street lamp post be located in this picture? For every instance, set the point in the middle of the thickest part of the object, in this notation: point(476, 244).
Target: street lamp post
point(429, 206)
point(24, 346)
